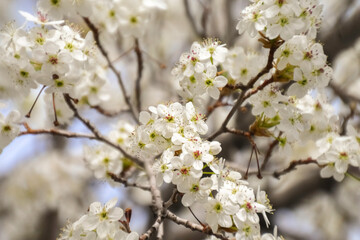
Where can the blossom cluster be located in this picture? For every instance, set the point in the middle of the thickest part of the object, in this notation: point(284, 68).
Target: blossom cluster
point(297, 116)
point(100, 223)
point(281, 18)
point(197, 71)
point(103, 159)
point(285, 95)
point(190, 163)
point(55, 57)
point(127, 17)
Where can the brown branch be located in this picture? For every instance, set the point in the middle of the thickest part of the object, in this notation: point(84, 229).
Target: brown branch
point(106, 112)
point(204, 18)
point(55, 132)
point(140, 67)
point(201, 34)
point(172, 199)
point(243, 97)
point(157, 202)
point(293, 165)
point(93, 28)
point(269, 152)
point(217, 104)
point(193, 226)
point(254, 149)
point(352, 107)
point(126, 182)
point(236, 86)
point(98, 136)
point(153, 228)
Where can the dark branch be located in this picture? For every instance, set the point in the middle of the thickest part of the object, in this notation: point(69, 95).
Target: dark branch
point(93, 28)
point(140, 67)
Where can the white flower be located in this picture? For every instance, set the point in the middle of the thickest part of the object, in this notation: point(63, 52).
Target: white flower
point(133, 17)
point(213, 51)
point(9, 128)
point(103, 159)
point(219, 211)
point(196, 119)
point(163, 168)
point(197, 152)
point(212, 83)
point(246, 230)
point(195, 190)
point(344, 150)
point(252, 21)
point(184, 170)
point(100, 217)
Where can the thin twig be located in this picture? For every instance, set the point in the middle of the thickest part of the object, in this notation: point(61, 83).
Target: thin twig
point(201, 34)
point(123, 54)
point(55, 132)
point(269, 152)
point(93, 28)
point(172, 199)
point(56, 122)
point(36, 99)
point(126, 182)
point(108, 113)
point(98, 135)
point(140, 67)
point(254, 148)
point(217, 104)
point(352, 107)
point(293, 165)
point(161, 65)
point(193, 226)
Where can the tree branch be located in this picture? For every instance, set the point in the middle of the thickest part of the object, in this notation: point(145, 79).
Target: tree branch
point(55, 132)
point(268, 153)
point(201, 34)
point(97, 134)
point(193, 226)
point(140, 65)
point(293, 165)
point(243, 97)
point(93, 28)
point(126, 183)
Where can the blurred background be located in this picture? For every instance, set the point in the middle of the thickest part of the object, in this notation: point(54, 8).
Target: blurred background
point(44, 181)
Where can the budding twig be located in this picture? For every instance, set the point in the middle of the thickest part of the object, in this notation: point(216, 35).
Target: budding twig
point(248, 86)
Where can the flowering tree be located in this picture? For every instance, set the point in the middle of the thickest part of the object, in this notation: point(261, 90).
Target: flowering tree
point(276, 91)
